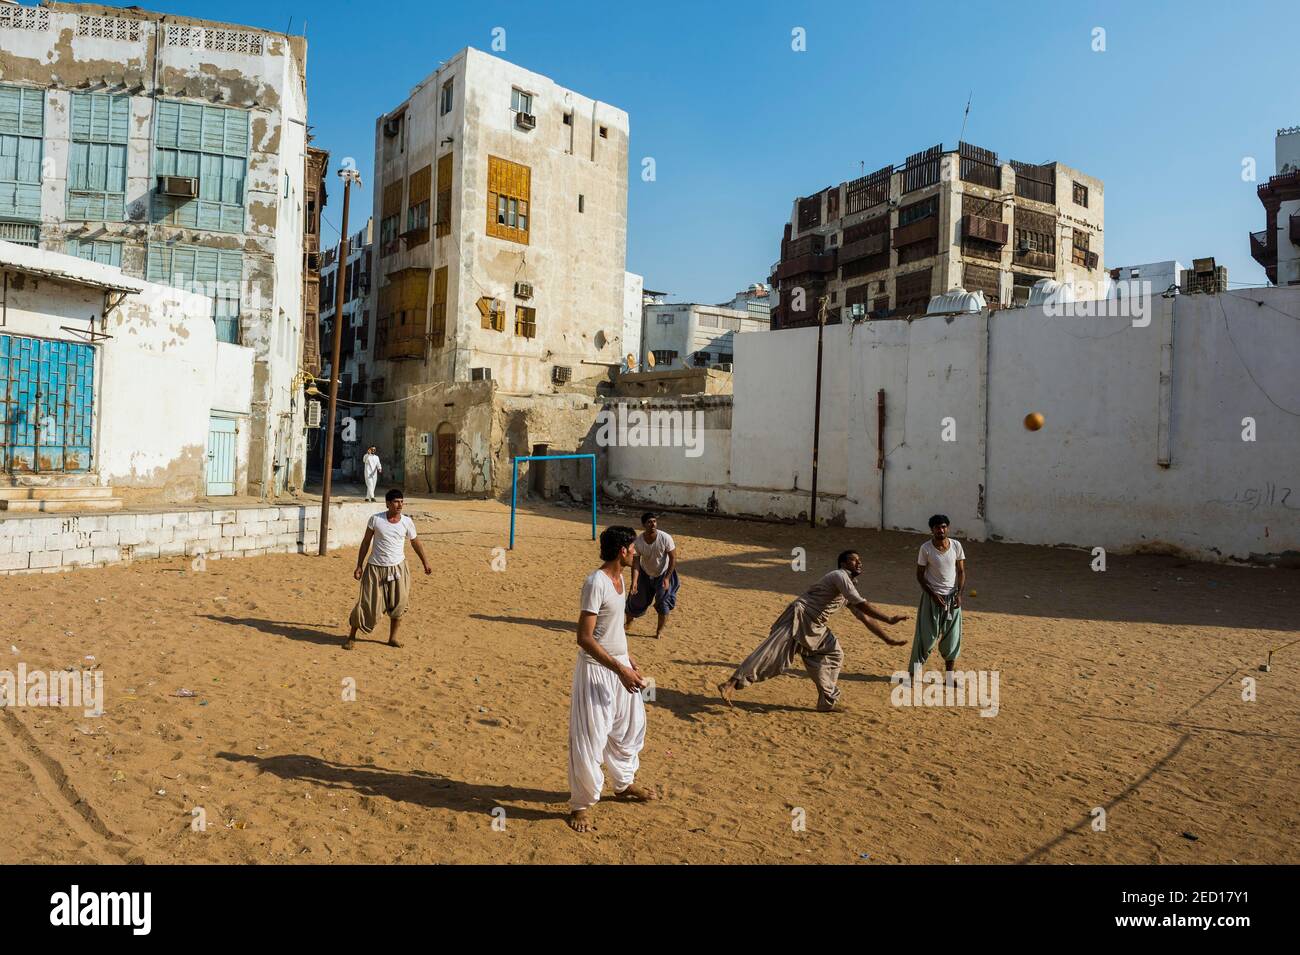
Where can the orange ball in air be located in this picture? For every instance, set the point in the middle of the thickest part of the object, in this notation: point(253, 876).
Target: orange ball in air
point(1034, 421)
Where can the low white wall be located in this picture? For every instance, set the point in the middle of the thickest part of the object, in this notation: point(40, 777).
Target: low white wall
point(956, 392)
point(51, 544)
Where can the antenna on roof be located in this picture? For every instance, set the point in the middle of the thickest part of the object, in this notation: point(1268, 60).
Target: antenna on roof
point(965, 116)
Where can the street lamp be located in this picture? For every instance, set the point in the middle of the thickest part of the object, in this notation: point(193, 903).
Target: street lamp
point(349, 174)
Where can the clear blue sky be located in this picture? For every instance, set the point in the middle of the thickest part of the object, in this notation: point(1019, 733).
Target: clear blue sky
point(739, 124)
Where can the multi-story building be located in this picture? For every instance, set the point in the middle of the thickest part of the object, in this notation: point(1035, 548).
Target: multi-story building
point(1277, 247)
point(689, 335)
point(355, 384)
point(499, 269)
point(757, 300)
point(891, 240)
point(173, 148)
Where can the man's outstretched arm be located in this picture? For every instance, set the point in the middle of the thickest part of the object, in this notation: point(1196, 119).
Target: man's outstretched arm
point(871, 625)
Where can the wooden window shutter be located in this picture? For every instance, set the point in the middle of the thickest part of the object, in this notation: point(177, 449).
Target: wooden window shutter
point(509, 186)
point(393, 199)
point(419, 186)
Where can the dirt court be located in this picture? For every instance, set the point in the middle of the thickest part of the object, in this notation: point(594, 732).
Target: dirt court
point(1121, 690)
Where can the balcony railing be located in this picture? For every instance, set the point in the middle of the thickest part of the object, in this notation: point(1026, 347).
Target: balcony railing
point(1262, 250)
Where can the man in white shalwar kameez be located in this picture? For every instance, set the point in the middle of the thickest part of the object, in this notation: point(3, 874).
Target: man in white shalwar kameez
point(606, 713)
point(371, 469)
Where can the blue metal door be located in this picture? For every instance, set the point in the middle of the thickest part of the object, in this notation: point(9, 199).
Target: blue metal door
point(221, 456)
point(47, 402)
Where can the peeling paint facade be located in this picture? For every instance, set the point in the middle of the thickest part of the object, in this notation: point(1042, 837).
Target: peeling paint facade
point(499, 271)
point(130, 111)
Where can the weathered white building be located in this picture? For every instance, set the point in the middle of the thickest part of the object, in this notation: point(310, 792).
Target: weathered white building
point(499, 271)
point(1176, 430)
point(1277, 247)
point(690, 335)
point(112, 388)
point(173, 148)
point(633, 300)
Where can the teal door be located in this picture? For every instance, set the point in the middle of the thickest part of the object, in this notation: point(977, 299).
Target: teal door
point(47, 400)
point(221, 456)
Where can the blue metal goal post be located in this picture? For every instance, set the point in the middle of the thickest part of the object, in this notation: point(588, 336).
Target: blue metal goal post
point(514, 484)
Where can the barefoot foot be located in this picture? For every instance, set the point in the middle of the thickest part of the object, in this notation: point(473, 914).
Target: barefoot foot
point(635, 793)
point(580, 820)
point(392, 642)
point(725, 690)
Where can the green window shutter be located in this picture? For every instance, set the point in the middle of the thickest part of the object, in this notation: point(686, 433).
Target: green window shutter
point(78, 162)
point(166, 133)
point(33, 113)
point(115, 168)
point(29, 161)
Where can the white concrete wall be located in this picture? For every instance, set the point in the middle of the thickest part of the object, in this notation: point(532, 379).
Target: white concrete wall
point(1091, 477)
point(33, 545)
point(633, 296)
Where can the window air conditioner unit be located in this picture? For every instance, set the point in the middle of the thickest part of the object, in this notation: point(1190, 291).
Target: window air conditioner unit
point(1090, 260)
point(392, 126)
point(525, 120)
point(560, 374)
point(186, 187)
point(313, 414)
point(480, 374)
point(523, 290)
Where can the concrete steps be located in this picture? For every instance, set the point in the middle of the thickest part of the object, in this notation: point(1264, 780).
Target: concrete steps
point(28, 499)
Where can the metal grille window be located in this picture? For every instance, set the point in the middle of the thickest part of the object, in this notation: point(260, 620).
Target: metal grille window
point(509, 192)
point(664, 356)
point(20, 233)
point(208, 143)
point(525, 321)
point(105, 253)
point(215, 273)
point(22, 129)
point(97, 156)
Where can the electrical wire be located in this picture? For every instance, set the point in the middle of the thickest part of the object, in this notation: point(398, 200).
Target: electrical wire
point(1228, 328)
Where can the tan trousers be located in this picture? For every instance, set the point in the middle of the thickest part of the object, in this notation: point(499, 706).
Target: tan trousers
point(383, 590)
point(822, 658)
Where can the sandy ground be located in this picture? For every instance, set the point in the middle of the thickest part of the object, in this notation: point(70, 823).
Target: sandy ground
point(1121, 690)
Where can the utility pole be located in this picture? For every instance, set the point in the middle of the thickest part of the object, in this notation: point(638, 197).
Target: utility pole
point(817, 411)
point(349, 175)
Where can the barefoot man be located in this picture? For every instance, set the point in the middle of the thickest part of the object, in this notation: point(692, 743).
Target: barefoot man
point(606, 713)
point(654, 573)
point(385, 581)
point(941, 572)
point(802, 630)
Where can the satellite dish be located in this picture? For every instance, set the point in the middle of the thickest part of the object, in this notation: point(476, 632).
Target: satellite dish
point(631, 361)
point(650, 359)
